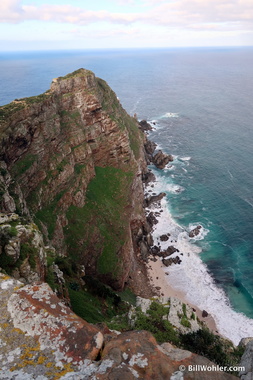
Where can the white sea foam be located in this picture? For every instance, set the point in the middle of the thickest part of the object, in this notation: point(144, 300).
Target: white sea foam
point(192, 277)
point(173, 188)
point(153, 123)
point(170, 114)
point(184, 158)
point(169, 167)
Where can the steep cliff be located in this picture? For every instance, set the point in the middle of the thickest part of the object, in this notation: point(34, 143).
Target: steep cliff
point(72, 162)
point(72, 166)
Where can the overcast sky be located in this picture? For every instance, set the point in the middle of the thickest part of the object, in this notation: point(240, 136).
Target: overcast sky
point(85, 24)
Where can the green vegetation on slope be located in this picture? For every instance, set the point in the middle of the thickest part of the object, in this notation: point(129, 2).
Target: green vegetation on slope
point(96, 302)
point(202, 342)
point(9, 109)
point(99, 228)
point(23, 164)
point(154, 321)
point(48, 215)
point(77, 73)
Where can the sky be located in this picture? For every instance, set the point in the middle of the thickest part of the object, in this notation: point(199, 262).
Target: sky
point(88, 24)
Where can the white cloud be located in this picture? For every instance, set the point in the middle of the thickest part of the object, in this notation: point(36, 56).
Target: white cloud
point(10, 11)
point(167, 16)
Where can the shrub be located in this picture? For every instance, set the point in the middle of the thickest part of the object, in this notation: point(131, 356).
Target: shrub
point(184, 322)
point(204, 342)
point(155, 323)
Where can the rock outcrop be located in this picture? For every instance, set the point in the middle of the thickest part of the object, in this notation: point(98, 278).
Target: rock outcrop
point(160, 159)
point(22, 251)
point(43, 339)
point(72, 161)
point(195, 232)
point(247, 360)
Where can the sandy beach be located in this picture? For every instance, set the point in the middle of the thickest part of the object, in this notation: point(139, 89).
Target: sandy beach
point(157, 277)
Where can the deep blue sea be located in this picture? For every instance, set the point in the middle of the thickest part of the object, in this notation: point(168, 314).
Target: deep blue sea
point(201, 103)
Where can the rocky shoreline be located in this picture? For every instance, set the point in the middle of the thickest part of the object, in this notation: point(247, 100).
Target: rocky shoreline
point(157, 259)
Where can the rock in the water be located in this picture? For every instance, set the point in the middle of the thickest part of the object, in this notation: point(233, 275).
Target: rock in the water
point(154, 198)
point(150, 147)
point(195, 232)
point(148, 177)
point(171, 249)
point(164, 237)
point(160, 159)
point(145, 126)
point(155, 250)
point(170, 261)
point(151, 219)
point(204, 314)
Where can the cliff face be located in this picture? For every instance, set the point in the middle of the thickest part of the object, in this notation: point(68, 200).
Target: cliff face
point(72, 162)
point(71, 204)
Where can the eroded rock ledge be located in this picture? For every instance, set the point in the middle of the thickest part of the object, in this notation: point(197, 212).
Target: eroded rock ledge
point(43, 339)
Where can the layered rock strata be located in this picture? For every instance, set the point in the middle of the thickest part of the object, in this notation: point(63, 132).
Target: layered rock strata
point(72, 161)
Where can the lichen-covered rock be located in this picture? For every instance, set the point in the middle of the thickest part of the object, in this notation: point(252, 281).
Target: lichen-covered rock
point(41, 339)
point(247, 361)
point(36, 310)
point(136, 355)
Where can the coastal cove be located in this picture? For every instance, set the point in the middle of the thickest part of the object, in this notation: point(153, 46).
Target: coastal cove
point(200, 101)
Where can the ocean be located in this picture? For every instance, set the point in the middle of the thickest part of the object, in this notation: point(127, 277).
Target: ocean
point(199, 101)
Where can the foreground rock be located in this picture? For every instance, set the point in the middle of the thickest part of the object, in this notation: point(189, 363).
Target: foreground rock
point(43, 339)
point(247, 360)
point(160, 159)
point(36, 310)
point(136, 355)
point(39, 334)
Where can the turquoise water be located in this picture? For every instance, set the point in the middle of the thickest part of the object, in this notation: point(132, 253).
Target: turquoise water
point(214, 128)
point(201, 100)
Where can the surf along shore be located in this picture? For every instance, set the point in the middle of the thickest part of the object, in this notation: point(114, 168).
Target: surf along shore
point(166, 249)
point(180, 269)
